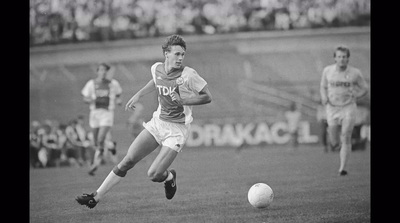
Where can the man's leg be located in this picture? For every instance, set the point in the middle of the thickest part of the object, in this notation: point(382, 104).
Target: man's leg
point(345, 138)
point(93, 167)
point(95, 136)
point(334, 137)
point(77, 155)
point(142, 146)
point(296, 138)
point(98, 155)
point(158, 171)
point(324, 135)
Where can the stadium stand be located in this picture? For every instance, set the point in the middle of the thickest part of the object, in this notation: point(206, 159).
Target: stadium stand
point(62, 21)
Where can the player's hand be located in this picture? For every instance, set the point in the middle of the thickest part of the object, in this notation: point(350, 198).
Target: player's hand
point(130, 105)
point(176, 97)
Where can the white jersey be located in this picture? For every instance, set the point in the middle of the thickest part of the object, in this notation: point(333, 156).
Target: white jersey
point(103, 92)
point(185, 81)
point(341, 87)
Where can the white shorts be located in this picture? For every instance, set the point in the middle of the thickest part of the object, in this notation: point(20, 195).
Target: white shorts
point(101, 117)
point(172, 135)
point(339, 115)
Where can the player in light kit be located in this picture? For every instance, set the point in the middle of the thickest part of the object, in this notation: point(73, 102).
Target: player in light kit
point(178, 88)
point(102, 94)
point(341, 86)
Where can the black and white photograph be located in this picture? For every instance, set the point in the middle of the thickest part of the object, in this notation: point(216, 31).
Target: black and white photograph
point(199, 111)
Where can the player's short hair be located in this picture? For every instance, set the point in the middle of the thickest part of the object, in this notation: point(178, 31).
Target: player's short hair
point(105, 65)
point(173, 40)
point(343, 49)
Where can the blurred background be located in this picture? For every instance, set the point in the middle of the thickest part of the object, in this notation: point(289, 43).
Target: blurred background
point(72, 21)
point(258, 57)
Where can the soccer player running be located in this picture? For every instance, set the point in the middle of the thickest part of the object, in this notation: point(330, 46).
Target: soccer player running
point(178, 88)
point(102, 94)
point(341, 86)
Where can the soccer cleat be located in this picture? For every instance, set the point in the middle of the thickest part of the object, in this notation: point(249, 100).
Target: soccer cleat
point(343, 173)
point(87, 199)
point(170, 186)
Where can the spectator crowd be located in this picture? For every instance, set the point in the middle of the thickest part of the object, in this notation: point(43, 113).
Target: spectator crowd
point(63, 21)
point(54, 144)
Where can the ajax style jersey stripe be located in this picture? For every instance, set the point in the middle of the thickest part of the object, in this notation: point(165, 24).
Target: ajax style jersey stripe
point(103, 92)
point(185, 81)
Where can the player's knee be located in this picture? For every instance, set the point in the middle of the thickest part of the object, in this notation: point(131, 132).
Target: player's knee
point(155, 176)
point(345, 138)
point(127, 162)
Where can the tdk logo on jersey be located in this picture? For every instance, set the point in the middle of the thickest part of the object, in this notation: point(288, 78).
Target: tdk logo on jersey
point(165, 90)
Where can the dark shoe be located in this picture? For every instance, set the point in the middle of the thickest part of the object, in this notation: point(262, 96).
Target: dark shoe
point(335, 148)
point(170, 186)
point(91, 172)
point(343, 173)
point(87, 199)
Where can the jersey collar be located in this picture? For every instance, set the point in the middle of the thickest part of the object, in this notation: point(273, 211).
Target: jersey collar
point(172, 74)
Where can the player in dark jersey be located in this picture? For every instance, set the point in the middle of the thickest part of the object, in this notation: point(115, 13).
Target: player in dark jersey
point(102, 94)
point(179, 88)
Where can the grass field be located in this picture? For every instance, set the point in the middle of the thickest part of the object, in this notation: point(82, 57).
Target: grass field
point(212, 187)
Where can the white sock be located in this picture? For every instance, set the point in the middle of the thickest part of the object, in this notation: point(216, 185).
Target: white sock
point(111, 180)
point(344, 155)
point(170, 176)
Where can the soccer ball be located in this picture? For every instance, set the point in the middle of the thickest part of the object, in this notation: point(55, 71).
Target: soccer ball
point(260, 195)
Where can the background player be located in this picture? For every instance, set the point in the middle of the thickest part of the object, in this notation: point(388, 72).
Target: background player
point(341, 86)
point(293, 118)
point(178, 88)
point(102, 93)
